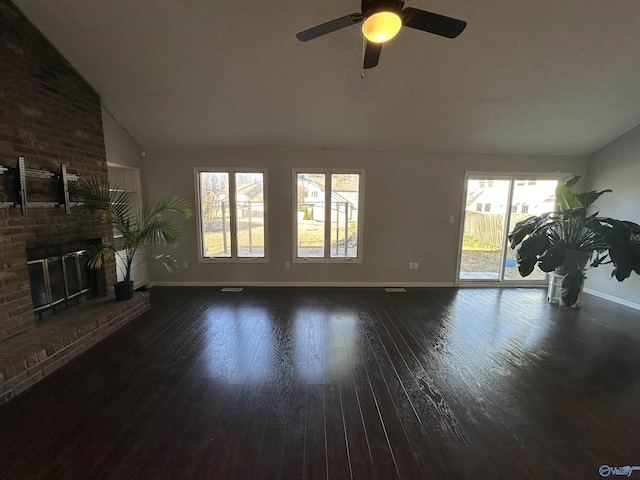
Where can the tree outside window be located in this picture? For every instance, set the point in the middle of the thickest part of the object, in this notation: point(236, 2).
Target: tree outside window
point(232, 214)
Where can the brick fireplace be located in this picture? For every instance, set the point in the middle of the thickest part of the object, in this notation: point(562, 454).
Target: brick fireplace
point(51, 117)
point(50, 134)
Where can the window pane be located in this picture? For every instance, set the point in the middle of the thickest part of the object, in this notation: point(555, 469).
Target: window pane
point(344, 215)
point(250, 214)
point(486, 207)
point(310, 220)
point(530, 197)
point(214, 207)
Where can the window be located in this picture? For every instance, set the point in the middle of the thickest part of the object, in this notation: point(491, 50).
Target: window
point(333, 233)
point(231, 207)
point(487, 207)
point(478, 207)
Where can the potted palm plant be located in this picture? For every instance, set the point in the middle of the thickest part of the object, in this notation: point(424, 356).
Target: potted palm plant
point(570, 239)
point(137, 229)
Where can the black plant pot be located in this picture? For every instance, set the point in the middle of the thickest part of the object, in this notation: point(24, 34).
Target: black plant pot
point(124, 291)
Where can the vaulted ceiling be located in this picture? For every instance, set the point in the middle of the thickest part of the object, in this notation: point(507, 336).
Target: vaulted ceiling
point(539, 77)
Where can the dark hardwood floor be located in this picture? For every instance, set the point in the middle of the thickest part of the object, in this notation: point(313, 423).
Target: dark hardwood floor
point(340, 383)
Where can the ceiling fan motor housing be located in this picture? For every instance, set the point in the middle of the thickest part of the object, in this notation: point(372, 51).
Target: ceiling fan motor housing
point(369, 7)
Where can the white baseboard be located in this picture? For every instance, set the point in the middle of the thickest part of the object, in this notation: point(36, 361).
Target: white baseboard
point(611, 298)
point(299, 284)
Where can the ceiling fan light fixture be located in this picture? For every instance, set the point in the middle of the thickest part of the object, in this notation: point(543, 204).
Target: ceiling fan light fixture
point(381, 27)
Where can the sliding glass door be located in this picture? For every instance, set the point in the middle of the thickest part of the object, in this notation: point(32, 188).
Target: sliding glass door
point(493, 205)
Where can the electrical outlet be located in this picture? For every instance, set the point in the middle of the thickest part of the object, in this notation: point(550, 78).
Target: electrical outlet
point(410, 265)
point(185, 264)
point(415, 265)
point(287, 265)
point(451, 219)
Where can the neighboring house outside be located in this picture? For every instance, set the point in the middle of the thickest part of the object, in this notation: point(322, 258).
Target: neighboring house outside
point(487, 198)
point(342, 203)
point(249, 200)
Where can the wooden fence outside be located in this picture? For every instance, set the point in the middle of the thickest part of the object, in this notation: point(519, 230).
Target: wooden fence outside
point(488, 227)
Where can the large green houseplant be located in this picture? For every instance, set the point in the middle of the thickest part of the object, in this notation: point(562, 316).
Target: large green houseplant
point(137, 229)
point(571, 239)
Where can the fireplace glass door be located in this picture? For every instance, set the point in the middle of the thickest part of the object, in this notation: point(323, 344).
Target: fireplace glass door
point(57, 279)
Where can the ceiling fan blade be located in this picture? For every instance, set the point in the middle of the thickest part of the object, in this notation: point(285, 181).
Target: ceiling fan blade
point(432, 22)
point(372, 54)
point(329, 27)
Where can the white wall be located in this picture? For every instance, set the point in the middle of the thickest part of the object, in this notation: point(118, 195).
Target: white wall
point(120, 147)
point(408, 201)
point(617, 166)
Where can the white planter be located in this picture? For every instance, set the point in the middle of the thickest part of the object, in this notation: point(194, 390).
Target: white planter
point(555, 290)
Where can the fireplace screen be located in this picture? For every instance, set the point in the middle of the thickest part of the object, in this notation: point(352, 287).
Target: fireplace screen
point(58, 279)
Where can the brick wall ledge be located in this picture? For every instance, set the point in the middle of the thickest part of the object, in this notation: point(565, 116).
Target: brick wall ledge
point(27, 358)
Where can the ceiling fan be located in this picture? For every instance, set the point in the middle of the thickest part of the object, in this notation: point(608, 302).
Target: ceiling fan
point(382, 21)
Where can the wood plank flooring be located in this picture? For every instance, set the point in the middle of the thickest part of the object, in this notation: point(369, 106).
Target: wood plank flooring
point(287, 383)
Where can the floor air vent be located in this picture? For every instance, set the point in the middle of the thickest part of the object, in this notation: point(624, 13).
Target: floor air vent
point(232, 289)
point(394, 289)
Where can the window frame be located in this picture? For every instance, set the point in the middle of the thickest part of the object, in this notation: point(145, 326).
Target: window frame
point(231, 171)
point(327, 220)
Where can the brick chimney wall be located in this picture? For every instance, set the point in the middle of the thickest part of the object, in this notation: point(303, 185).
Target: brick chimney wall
point(51, 116)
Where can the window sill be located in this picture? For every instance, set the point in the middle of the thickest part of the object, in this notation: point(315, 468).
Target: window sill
point(327, 260)
point(211, 260)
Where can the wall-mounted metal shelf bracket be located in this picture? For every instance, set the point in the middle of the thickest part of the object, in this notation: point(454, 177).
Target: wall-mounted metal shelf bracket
point(65, 188)
point(22, 185)
point(22, 173)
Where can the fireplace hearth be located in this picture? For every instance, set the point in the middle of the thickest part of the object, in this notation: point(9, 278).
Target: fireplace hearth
point(60, 277)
